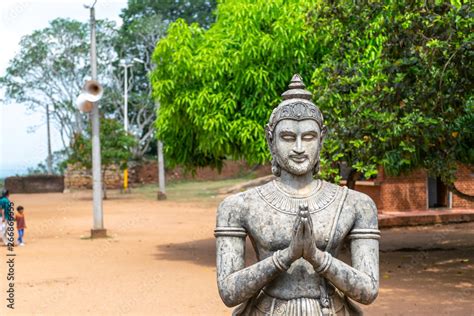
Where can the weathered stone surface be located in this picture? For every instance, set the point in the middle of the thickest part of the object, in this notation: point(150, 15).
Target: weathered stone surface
point(297, 226)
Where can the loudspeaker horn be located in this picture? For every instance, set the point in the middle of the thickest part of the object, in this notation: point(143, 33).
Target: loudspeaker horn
point(83, 104)
point(92, 91)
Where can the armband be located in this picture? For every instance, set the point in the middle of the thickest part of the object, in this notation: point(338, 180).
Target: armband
point(230, 232)
point(364, 234)
point(278, 263)
point(324, 266)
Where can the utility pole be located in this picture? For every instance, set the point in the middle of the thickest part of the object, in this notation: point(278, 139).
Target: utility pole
point(98, 229)
point(125, 124)
point(126, 63)
point(49, 159)
point(161, 166)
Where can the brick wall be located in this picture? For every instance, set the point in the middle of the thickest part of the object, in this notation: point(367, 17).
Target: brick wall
point(372, 190)
point(403, 193)
point(465, 184)
point(408, 192)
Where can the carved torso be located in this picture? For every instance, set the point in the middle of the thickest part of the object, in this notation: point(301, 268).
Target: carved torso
point(268, 214)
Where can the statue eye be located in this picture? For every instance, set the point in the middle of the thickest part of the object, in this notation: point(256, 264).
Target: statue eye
point(288, 137)
point(308, 137)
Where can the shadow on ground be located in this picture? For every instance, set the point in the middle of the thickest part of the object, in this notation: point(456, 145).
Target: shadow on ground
point(201, 252)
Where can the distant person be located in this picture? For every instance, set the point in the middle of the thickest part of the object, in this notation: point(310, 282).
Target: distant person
point(20, 224)
point(5, 205)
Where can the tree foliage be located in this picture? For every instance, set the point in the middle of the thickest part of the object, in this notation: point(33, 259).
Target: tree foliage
point(392, 79)
point(192, 11)
point(218, 87)
point(136, 41)
point(51, 67)
point(144, 24)
point(396, 87)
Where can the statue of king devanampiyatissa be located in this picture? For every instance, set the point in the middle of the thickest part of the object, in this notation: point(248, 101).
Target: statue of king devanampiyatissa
point(297, 226)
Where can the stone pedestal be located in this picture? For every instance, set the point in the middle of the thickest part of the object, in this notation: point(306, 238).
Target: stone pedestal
point(161, 196)
point(98, 233)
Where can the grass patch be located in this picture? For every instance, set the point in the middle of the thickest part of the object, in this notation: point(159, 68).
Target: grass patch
point(190, 190)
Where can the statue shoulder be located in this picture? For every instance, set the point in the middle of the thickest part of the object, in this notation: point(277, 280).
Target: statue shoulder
point(229, 212)
point(364, 208)
point(330, 186)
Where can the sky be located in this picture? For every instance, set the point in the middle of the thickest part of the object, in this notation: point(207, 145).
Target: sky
point(20, 147)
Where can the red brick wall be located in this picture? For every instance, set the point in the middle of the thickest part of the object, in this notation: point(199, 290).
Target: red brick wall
point(465, 184)
point(371, 190)
point(404, 193)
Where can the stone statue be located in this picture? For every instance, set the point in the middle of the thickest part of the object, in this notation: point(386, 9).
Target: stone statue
point(297, 226)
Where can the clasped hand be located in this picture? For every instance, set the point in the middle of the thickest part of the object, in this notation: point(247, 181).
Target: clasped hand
point(303, 243)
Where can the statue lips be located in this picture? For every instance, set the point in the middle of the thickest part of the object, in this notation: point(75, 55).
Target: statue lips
point(298, 158)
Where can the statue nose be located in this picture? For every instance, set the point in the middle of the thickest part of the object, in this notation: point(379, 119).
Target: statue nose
point(298, 149)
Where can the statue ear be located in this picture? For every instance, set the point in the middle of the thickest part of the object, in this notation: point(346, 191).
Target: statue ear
point(324, 132)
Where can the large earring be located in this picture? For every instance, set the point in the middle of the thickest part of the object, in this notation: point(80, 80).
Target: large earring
point(317, 165)
point(276, 169)
point(316, 168)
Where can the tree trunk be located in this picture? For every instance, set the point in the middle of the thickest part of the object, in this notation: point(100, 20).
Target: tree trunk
point(352, 178)
point(161, 165)
point(161, 172)
point(49, 159)
point(460, 194)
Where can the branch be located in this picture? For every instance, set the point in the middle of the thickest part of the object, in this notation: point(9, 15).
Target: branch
point(460, 194)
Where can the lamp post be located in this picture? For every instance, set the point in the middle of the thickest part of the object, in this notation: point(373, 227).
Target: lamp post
point(126, 63)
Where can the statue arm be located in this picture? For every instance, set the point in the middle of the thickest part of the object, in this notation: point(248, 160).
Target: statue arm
point(361, 280)
point(237, 283)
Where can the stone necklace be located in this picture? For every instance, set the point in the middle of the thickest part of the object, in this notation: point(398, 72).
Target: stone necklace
point(284, 202)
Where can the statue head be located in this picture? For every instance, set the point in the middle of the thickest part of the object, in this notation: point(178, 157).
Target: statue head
point(295, 132)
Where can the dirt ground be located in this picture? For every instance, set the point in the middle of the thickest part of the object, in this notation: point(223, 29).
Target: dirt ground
point(160, 260)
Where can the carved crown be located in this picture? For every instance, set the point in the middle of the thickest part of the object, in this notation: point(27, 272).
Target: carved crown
point(296, 105)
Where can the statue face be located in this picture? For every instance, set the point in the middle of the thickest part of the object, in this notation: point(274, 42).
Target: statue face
point(296, 145)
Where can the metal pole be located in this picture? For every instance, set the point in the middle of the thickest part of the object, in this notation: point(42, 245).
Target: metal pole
point(161, 166)
point(125, 105)
point(125, 121)
point(49, 159)
point(98, 227)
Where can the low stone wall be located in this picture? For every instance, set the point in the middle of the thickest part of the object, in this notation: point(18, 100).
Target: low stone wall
point(77, 177)
point(35, 184)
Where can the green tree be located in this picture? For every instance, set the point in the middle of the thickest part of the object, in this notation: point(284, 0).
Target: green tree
point(192, 11)
point(137, 41)
point(144, 24)
point(48, 72)
point(115, 146)
point(218, 87)
point(392, 79)
point(396, 87)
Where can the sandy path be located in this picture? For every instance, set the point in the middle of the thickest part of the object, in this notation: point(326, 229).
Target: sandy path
point(159, 260)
